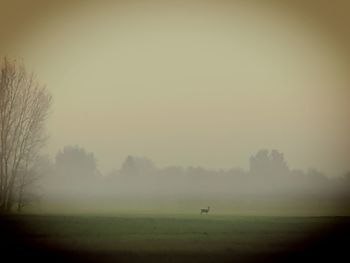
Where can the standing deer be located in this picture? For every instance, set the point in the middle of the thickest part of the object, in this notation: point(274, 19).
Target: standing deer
point(205, 210)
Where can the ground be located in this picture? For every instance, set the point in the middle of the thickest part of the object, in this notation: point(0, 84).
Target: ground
point(173, 238)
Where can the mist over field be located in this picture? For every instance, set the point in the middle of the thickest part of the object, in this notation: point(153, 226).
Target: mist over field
point(269, 186)
point(174, 131)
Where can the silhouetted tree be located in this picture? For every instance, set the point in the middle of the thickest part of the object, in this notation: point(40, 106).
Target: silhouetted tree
point(28, 181)
point(347, 176)
point(24, 105)
point(268, 164)
point(75, 162)
point(135, 166)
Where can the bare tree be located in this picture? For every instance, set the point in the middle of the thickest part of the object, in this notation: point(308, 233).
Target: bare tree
point(28, 188)
point(24, 106)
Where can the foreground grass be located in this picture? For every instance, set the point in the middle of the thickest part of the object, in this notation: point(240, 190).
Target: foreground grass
point(173, 237)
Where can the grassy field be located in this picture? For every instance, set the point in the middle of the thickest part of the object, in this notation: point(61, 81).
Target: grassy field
point(173, 237)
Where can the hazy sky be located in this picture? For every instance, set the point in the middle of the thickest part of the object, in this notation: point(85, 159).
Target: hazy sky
point(190, 82)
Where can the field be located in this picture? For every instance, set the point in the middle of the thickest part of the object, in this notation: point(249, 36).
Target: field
point(173, 238)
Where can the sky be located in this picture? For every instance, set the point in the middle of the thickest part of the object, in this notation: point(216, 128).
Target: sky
point(192, 83)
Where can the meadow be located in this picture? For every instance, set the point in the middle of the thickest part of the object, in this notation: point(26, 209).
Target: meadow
point(173, 238)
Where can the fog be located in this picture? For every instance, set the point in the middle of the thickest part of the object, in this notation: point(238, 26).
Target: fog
point(74, 182)
point(190, 83)
point(198, 103)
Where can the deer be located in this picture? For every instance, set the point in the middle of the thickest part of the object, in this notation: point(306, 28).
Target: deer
point(205, 210)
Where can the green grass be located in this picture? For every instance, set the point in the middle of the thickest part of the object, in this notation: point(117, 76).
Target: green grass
point(173, 237)
point(172, 233)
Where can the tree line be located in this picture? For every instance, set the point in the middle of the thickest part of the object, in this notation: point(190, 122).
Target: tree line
point(75, 171)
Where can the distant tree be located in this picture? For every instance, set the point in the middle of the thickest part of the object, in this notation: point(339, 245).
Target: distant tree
point(315, 175)
point(298, 174)
point(345, 183)
point(278, 164)
point(347, 176)
point(268, 164)
point(75, 162)
point(259, 164)
point(135, 166)
point(24, 106)
point(173, 171)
